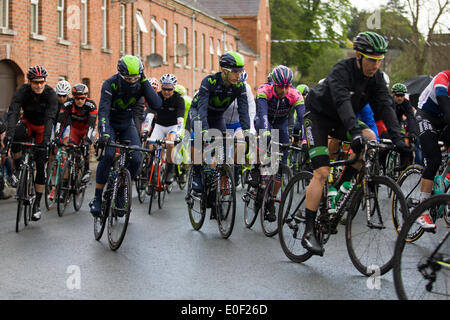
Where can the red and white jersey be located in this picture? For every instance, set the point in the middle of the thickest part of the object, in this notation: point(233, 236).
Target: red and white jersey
point(439, 86)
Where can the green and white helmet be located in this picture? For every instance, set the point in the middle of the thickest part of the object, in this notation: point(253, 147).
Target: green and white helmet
point(370, 42)
point(399, 88)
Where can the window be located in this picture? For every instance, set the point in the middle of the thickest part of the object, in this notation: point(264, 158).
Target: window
point(4, 14)
point(203, 51)
point(185, 37)
point(194, 50)
point(175, 42)
point(231, 47)
point(153, 35)
point(87, 83)
point(225, 48)
point(61, 19)
point(219, 53)
point(211, 54)
point(105, 24)
point(84, 22)
point(165, 41)
point(123, 24)
point(141, 27)
point(35, 16)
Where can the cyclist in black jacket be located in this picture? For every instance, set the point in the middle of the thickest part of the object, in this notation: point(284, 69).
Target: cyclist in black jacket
point(330, 110)
point(39, 104)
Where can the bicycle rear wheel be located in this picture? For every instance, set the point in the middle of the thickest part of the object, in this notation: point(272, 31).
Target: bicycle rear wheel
point(421, 269)
point(196, 205)
point(370, 242)
point(271, 201)
point(119, 210)
point(225, 201)
point(291, 230)
point(63, 190)
point(50, 184)
point(80, 187)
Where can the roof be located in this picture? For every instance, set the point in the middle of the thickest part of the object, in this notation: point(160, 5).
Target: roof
point(228, 8)
point(197, 6)
point(245, 48)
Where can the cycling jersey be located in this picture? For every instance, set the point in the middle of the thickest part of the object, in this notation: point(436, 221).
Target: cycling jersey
point(231, 115)
point(439, 86)
point(214, 98)
point(272, 109)
point(345, 91)
point(405, 109)
point(172, 109)
point(120, 102)
point(38, 109)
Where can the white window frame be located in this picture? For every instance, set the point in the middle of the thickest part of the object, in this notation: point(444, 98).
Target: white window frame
point(175, 42)
point(123, 30)
point(203, 51)
point(219, 53)
point(104, 9)
point(139, 35)
point(194, 49)
point(84, 22)
point(4, 14)
point(34, 23)
point(164, 40)
point(186, 40)
point(211, 53)
point(60, 8)
point(153, 36)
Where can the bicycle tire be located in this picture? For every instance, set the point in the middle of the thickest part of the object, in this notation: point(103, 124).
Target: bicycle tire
point(289, 232)
point(196, 218)
point(271, 228)
point(50, 186)
point(151, 187)
point(405, 253)
point(249, 210)
point(412, 197)
point(225, 219)
point(80, 187)
point(162, 178)
point(123, 179)
point(140, 181)
point(363, 239)
point(62, 200)
point(31, 194)
point(21, 192)
point(100, 222)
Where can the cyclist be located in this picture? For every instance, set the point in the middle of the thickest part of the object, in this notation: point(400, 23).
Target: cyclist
point(80, 114)
point(39, 104)
point(274, 102)
point(433, 120)
point(118, 106)
point(146, 126)
point(404, 110)
point(216, 94)
point(169, 119)
point(330, 110)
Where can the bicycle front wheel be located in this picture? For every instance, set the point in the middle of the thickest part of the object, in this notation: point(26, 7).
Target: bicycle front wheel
point(369, 234)
point(162, 192)
point(196, 205)
point(250, 210)
point(21, 195)
point(421, 269)
point(80, 187)
point(50, 184)
point(290, 229)
point(63, 190)
point(225, 201)
point(119, 210)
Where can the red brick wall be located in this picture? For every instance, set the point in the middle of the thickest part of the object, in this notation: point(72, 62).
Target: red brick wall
point(76, 63)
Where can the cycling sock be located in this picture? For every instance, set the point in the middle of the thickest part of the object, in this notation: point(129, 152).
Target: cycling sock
point(347, 175)
point(17, 164)
point(38, 199)
point(310, 219)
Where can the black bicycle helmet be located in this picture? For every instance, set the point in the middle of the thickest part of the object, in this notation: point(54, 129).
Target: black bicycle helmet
point(232, 60)
point(370, 42)
point(80, 90)
point(36, 72)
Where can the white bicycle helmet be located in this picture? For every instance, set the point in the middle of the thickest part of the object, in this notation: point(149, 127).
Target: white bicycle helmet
point(168, 79)
point(63, 88)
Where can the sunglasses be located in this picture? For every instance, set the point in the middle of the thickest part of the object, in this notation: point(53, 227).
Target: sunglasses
point(167, 89)
point(80, 98)
point(281, 86)
point(236, 71)
point(131, 78)
point(62, 95)
point(372, 59)
point(399, 94)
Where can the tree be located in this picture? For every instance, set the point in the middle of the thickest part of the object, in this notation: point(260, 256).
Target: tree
point(306, 20)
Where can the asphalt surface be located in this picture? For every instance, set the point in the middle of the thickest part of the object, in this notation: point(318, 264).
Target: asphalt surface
point(162, 257)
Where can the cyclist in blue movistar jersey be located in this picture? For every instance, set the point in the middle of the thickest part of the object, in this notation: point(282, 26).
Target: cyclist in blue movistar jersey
point(118, 106)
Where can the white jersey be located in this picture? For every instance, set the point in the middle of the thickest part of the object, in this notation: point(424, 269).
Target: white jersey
point(231, 115)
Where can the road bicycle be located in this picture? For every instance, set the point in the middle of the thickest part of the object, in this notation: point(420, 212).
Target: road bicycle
point(26, 192)
point(116, 202)
point(219, 194)
point(260, 195)
point(421, 269)
point(369, 237)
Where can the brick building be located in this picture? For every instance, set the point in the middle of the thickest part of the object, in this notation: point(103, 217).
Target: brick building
point(81, 40)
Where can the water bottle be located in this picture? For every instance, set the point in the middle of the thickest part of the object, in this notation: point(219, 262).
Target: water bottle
point(438, 185)
point(332, 193)
point(345, 187)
